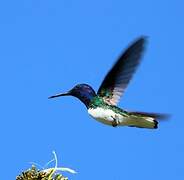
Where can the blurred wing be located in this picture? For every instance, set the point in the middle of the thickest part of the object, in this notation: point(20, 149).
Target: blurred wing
point(157, 116)
point(118, 77)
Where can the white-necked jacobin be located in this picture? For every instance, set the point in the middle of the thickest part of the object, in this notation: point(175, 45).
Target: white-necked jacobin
point(102, 105)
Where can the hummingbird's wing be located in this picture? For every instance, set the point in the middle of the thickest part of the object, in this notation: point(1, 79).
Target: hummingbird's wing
point(118, 77)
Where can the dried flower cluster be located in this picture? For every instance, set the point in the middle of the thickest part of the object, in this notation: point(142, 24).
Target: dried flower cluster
point(46, 174)
point(35, 174)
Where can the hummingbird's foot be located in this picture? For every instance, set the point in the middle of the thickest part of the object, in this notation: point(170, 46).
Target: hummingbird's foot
point(114, 122)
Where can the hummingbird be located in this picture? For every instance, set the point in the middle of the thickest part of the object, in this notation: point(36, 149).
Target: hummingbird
point(102, 105)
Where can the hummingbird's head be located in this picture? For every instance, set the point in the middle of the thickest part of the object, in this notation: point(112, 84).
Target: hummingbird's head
point(84, 92)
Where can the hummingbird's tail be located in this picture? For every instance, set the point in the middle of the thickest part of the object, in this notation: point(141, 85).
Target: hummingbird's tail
point(145, 120)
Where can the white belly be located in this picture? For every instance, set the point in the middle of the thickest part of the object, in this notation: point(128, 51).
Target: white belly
point(108, 117)
point(105, 116)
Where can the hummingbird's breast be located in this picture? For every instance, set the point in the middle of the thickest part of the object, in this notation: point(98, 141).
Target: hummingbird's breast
point(104, 115)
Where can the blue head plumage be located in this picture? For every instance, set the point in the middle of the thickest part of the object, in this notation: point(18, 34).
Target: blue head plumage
point(84, 92)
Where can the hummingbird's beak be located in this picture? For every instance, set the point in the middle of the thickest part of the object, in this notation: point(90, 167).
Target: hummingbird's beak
point(60, 94)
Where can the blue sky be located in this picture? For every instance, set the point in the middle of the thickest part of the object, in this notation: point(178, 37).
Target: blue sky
point(49, 46)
